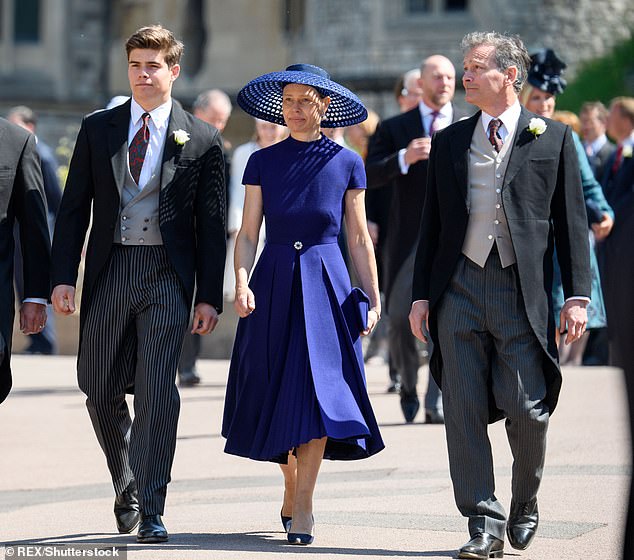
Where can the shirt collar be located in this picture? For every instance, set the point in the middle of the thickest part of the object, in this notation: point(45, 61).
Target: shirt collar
point(159, 116)
point(425, 110)
point(596, 144)
point(629, 141)
point(509, 118)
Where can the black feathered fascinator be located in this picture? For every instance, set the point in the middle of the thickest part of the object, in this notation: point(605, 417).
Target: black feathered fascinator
point(545, 72)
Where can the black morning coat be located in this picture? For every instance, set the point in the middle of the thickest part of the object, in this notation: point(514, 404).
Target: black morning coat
point(543, 201)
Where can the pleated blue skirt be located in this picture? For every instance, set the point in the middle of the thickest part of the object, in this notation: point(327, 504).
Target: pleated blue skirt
point(296, 370)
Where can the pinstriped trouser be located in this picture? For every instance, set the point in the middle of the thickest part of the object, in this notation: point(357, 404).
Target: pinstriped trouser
point(485, 338)
point(132, 335)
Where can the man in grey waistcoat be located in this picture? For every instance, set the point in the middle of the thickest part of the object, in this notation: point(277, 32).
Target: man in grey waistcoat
point(153, 176)
point(503, 190)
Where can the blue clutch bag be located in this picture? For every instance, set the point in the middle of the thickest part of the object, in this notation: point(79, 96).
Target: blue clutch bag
point(361, 304)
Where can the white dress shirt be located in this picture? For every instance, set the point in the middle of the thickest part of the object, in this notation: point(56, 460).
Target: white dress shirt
point(509, 120)
point(443, 120)
point(593, 148)
point(157, 124)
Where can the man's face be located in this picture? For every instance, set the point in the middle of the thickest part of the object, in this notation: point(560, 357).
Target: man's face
point(618, 126)
point(215, 115)
point(482, 80)
point(591, 125)
point(438, 82)
point(150, 78)
point(17, 120)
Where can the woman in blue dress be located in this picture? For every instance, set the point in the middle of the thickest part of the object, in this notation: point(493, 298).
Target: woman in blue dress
point(296, 391)
point(543, 83)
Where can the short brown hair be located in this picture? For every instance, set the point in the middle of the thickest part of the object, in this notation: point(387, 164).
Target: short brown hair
point(157, 38)
point(625, 106)
point(589, 106)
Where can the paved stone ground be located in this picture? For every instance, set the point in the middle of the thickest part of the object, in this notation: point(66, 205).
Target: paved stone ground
point(54, 486)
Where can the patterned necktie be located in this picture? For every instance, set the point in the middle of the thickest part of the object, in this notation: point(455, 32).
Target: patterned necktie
point(494, 136)
point(617, 159)
point(433, 125)
point(138, 147)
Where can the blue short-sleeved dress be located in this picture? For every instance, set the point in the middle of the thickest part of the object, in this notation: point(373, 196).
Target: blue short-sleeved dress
point(296, 370)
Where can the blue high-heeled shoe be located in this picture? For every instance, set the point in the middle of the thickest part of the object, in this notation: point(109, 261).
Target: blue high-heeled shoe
point(286, 522)
point(301, 538)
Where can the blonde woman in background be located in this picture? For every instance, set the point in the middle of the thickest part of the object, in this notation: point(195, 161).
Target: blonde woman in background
point(266, 134)
point(538, 95)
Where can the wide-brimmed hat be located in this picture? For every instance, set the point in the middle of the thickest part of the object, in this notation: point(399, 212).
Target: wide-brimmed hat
point(262, 97)
point(545, 72)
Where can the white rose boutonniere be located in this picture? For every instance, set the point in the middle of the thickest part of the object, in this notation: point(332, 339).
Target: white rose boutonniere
point(627, 151)
point(181, 137)
point(537, 127)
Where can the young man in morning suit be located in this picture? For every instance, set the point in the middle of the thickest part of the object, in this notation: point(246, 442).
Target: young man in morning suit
point(154, 176)
point(397, 156)
point(503, 189)
point(21, 199)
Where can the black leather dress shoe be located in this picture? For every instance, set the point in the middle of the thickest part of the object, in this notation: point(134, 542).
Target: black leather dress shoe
point(151, 529)
point(434, 417)
point(126, 509)
point(188, 379)
point(394, 387)
point(409, 405)
point(482, 547)
point(522, 524)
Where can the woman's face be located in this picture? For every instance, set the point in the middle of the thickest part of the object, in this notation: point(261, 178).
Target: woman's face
point(541, 102)
point(303, 108)
point(268, 133)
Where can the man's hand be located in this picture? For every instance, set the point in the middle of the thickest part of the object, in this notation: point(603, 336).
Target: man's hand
point(417, 150)
point(205, 318)
point(418, 315)
point(32, 317)
point(574, 317)
point(603, 228)
point(63, 299)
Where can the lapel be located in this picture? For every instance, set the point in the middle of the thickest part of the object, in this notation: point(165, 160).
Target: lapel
point(520, 149)
point(413, 125)
point(171, 150)
point(459, 144)
point(118, 143)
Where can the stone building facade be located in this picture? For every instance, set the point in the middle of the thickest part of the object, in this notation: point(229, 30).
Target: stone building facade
point(66, 57)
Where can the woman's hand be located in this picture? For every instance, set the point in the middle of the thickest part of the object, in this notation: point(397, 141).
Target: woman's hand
point(373, 318)
point(603, 228)
point(245, 302)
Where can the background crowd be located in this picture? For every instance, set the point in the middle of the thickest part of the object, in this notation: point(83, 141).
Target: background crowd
point(605, 137)
point(400, 159)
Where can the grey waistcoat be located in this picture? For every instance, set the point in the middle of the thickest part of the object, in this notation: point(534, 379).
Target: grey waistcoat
point(139, 216)
point(487, 220)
